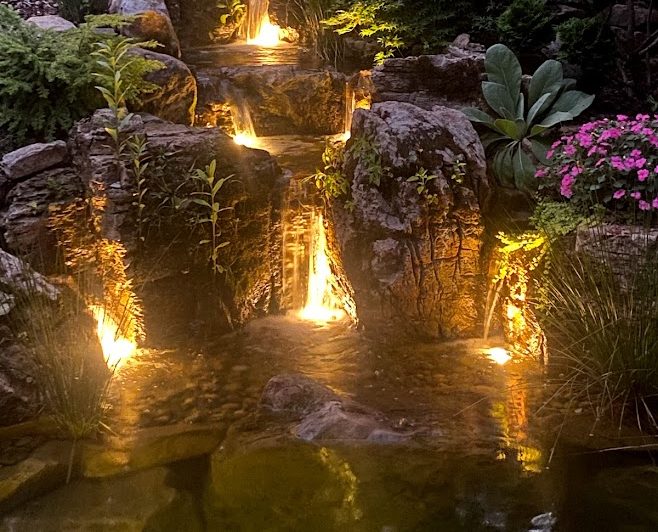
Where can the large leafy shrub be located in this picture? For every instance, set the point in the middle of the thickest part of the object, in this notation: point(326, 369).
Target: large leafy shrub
point(607, 163)
point(518, 136)
point(46, 80)
point(525, 25)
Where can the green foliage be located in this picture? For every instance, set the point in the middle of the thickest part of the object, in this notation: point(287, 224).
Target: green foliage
point(331, 181)
point(207, 197)
point(50, 74)
point(423, 179)
point(139, 158)
point(556, 219)
point(364, 149)
point(589, 44)
point(518, 137)
point(525, 25)
point(44, 79)
point(233, 12)
point(601, 326)
point(400, 25)
point(77, 10)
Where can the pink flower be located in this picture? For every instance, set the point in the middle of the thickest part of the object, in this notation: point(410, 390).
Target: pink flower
point(654, 203)
point(570, 150)
point(636, 195)
point(619, 194)
point(565, 186)
point(643, 174)
point(549, 154)
point(639, 163)
point(541, 172)
point(642, 118)
point(622, 118)
point(644, 205)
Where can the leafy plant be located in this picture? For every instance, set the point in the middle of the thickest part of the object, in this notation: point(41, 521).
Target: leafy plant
point(364, 149)
point(207, 197)
point(458, 170)
point(422, 179)
point(518, 136)
point(77, 10)
point(525, 25)
point(609, 165)
point(234, 12)
point(139, 157)
point(331, 181)
point(50, 73)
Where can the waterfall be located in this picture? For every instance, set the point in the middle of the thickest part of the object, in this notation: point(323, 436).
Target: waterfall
point(259, 30)
point(350, 105)
point(243, 124)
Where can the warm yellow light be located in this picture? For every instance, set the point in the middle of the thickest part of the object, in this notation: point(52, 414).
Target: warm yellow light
point(321, 303)
point(268, 35)
point(244, 139)
point(499, 355)
point(116, 348)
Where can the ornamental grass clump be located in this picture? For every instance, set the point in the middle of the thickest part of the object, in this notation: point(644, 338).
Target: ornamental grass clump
point(609, 167)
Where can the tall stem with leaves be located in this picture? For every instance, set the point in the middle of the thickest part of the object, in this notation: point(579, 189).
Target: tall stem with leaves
point(208, 198)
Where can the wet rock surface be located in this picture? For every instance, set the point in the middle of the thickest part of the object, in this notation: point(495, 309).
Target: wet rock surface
point(281, 99)
point(452, 79)
point(409, 253)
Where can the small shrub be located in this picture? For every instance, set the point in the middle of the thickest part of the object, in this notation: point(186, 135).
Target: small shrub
point(525, 25)
point(331, 181)
point(519, 137)
point(609, 165)
point(50, 74)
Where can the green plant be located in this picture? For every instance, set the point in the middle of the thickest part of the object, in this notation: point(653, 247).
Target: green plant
point(207, 197)
point(589, 44)
point(77, 10)
point(422, 179)
point(518, 137)
point(364, 149)
point(525, 25)
point(458, 170)
point(50, 73)
point(233, 11)
point(139, 157)
point(601, 325)
point(331, 181)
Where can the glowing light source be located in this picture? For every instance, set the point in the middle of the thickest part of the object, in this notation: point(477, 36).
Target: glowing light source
point(116, 348)
point(245, 139)
point(499, 355)
point(268, 34)
point(322, 305)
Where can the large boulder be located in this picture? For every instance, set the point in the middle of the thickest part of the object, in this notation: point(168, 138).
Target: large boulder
point(51, 22)
point(282, 100)
point(451, 79)
point(152, 22)
point(412, 254)
point(176, 96)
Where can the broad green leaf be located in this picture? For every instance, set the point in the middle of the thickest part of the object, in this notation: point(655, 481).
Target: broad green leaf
point(499, 99)
point(553, 119)
point(539, 149)
point(534, 111)
point(524, 170)
point(490, 138)
point(509, 128)
point(547, 75)
point(502, 165)
point(504, 68)
point(478, 116)
point(572, 102)
point(520, 108)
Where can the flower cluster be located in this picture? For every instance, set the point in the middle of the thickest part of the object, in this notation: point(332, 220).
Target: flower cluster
point(613, 163)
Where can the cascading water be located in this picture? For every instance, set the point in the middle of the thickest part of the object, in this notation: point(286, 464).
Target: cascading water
point(350, 105)
point(259, 29)
point(243, 124)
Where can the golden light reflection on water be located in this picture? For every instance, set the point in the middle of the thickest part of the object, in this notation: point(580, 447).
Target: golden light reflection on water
point(511, 414)
point(268, 34)
point(342, 471)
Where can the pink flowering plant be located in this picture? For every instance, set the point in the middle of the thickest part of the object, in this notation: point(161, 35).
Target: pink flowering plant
point(607, 163)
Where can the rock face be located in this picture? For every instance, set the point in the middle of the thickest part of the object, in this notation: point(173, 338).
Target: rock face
point(322, 415)
point(51, 22)
point(451, 79)
point(409, 254)
point(175, 100)
point(281, 99)
point(153, 22)
point(32, 159)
